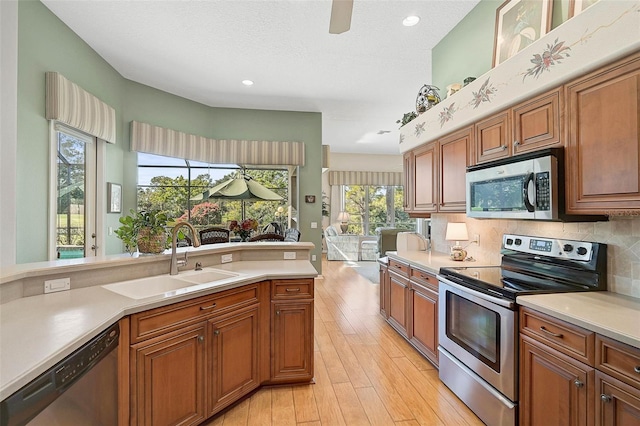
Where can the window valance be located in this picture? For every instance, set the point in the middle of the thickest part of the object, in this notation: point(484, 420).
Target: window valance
point(365, 178)
point(70, 104)
point(172, 143)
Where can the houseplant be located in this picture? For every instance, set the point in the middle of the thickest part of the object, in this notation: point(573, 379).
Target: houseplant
point(243, 229)
point(145, 230)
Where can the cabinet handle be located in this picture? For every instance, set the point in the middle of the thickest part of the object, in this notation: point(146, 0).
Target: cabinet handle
point(503, 147)
point(277, 312)
point(550, 333)
point(516, 143)
point(290, 290)
point(605, 398)
point(217, 332)
point(637, 369)
point(578, 383)
point(204, 308)
point(200, 338)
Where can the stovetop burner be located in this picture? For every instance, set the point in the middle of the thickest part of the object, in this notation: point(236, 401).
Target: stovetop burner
point(532, 265)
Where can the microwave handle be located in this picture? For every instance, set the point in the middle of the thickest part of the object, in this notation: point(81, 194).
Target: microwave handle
point(525, 192)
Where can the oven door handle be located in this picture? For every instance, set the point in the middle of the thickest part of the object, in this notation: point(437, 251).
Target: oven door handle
point(498, 301)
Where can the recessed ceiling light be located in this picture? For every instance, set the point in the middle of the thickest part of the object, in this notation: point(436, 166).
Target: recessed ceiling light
point(410, 21)
point(247, 82)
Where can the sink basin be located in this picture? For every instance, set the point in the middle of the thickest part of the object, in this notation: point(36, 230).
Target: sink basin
point(206, 276)
point(169, 284)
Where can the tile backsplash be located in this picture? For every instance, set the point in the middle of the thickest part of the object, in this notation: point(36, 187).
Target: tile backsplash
point(621, 234)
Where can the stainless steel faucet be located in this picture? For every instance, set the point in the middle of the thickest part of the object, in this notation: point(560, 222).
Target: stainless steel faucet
point(174, 243)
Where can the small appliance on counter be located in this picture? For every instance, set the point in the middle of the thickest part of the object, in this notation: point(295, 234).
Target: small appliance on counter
point(411, 241)
point(478, 316)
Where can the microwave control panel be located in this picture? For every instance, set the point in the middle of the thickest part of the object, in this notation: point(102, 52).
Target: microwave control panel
point(543, 191)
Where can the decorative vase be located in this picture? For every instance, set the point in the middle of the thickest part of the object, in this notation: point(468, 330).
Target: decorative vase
point(150, 241)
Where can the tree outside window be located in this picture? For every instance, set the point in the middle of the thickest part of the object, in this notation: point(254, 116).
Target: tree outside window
point(371, 206)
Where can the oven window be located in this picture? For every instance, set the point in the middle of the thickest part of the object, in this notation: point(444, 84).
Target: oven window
point(505, 194)
point(475, 328)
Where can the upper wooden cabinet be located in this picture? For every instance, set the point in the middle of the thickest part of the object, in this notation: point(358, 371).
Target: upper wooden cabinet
point(528, 126)
point(435, 175)
point(603, 148)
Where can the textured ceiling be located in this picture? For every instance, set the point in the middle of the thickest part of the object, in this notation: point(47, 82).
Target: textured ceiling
point(362, 81)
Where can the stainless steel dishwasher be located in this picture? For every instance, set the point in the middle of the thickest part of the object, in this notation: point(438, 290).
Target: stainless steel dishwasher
point(82, 389)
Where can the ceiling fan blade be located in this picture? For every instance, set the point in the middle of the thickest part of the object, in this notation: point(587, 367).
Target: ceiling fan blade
point(340, 16)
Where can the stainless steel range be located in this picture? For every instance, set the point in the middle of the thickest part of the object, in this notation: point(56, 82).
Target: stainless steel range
point(478, 315)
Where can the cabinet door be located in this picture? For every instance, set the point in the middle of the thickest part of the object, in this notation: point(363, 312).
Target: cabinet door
point(616, 402)
point(169, 379)
point(384, 290)
point(537, 124)
point(292, 340)
point(424, 316)
point(398, 302)
point(453, 167)
point(407, 166)
point(603, 151)
point(425, 178)
point(554, 389)
point(493, 138)
point(233, 357)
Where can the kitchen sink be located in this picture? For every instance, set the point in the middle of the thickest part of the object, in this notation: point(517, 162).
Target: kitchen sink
point(170, 284)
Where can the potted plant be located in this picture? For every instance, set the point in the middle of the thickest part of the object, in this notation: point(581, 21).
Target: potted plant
point(145, 230)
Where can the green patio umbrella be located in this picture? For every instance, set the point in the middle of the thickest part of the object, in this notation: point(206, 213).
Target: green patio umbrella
point(242, 188)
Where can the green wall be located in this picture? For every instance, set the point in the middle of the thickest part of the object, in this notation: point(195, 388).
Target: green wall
point(47, 44)
point(467, 51)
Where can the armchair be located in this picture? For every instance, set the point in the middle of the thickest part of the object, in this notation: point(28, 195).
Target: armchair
point(341, 247)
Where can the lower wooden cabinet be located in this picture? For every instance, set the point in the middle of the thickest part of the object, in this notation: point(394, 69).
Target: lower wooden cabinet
point(424, 321)
point(398, 299)
point(616, 403)
point(169, 378)
point(190, 360)
point(554, 389)
point(233, 357)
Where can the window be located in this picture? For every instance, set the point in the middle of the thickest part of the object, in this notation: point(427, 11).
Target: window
point(371, 206)
point(75, 200)
point(171, 184)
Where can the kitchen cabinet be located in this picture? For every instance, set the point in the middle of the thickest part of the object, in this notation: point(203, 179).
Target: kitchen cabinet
point(569, 375)
point(292, 330)
point(435, 175)
point(603, 143)
point(423, 308)
point(528, 126)
point(169, 377)
point(398, 295)
point(383, 264)
point(234, 354)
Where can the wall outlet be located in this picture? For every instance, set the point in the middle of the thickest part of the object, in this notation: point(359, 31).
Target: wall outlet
point(313, 257)
point(314, 225)
point(289, 255)
point(61, 284)
point(226, 258)
point(476, 237)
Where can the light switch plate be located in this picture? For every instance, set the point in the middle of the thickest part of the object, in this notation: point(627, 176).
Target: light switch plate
point(226, 258)
point(61, 284)
point(314, 225)
point(289, 255)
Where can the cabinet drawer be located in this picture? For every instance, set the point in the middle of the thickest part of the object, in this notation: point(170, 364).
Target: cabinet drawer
point(425, 278)
point(573, 341)
point(292, 289)
point(154, 322)
point(399, 267)
point(618, 360)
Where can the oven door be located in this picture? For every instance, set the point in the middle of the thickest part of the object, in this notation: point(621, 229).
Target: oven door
point(480, 331)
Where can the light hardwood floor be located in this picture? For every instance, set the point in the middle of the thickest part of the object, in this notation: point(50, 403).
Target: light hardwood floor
point(365, 373)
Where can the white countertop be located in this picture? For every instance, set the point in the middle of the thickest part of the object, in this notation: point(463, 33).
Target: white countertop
point(610, 314)
point(37, 332)
point(431, 261)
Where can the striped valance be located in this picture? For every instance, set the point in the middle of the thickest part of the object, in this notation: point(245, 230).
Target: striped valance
point(70, 104)
point(172, 143)
point(366, 178)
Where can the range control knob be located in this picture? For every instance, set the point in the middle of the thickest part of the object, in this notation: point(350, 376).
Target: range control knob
point(518, 241)
point(581, 251)
point(567, 247)
point(509, 241)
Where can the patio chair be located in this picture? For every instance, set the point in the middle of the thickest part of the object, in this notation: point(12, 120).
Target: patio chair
point(292, 235)
point(267, 236)
point(214, 236)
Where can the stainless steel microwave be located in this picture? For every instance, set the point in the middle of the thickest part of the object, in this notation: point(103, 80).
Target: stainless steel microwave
point(522, 187)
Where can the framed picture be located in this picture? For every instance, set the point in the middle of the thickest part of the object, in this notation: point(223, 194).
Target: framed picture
point(114, 198)
point(518, 24)
point(309, 198)
point(577, 6)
